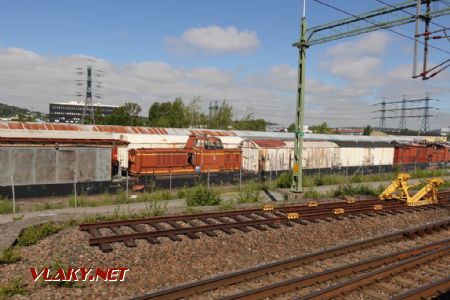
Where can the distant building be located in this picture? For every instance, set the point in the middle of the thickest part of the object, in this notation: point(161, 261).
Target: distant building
point(72, 112)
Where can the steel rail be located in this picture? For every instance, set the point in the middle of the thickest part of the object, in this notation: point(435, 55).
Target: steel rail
point(361, 266)
point(303, 216)
point(368, 278)
point(248, 274)
point(282, 209)
point(432, 289)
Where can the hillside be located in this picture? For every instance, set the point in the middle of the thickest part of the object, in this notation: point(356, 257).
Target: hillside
point(7, 111)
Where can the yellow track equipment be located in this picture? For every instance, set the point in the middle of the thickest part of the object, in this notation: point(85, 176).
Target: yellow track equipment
point(398, 189)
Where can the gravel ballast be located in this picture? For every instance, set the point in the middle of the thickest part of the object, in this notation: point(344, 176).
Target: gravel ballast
point(170, 263)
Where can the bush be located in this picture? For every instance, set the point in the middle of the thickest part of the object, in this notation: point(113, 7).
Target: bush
point(249, 192)
point(351, 190)
point(227, 205)
point(201, 196)
point(311, 194)
point(9, 255)
point(32, 235)
point(284, 180)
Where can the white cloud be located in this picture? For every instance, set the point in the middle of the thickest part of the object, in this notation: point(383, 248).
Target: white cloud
point(214, 40)
point(31, 80)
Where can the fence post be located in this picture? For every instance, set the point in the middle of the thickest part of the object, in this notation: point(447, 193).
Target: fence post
point(170, 180)
point(240, 179)
point(126, 187)
point(208, 178)
point(270, 178)
point(75, 187)
point(13, 194)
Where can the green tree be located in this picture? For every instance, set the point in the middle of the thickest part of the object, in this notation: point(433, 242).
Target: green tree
point(249, 123)
point(321, 128)
point(125, 115)
point(223, 117)
point(368, 130)
point(291, 127)
point(168, 114)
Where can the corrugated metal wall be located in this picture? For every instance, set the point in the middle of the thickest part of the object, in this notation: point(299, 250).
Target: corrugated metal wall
point(47, 165)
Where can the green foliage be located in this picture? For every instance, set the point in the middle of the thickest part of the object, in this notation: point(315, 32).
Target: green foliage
point(6, 206)
point(310, 193)
point(227, 205)
point(321, 128)
point(7, 111)
point(284, 180)
point(351, 190)
point(9, 255)
point(222, 119)
point(249, 192)
point(291, 127)
point(125, 115)
point(168, 114)
point(31, 235)
point(368, 130)
point(201, 196)
point(249, 123)
point(13, 287)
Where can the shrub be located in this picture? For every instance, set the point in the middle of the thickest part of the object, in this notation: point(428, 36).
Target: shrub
point(32, 235)
point(227, 205)
point(284, 180)
point(201, 196)
point(9, 255)
point(311, 194)
point(249, 192)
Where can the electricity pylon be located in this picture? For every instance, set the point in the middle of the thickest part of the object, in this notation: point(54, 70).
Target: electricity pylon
point(382, 18)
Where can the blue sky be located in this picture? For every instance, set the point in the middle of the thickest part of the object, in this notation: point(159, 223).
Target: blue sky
point(131, 39)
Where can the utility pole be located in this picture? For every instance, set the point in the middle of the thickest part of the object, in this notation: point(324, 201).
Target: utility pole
point(300, 111)
point(88, 105)
point(383, 114)
point(425, 124)
point(402, 124)
point(382, 18)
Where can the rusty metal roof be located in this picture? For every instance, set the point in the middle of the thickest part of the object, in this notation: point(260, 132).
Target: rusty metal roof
point(81, 128)
point(269, 143)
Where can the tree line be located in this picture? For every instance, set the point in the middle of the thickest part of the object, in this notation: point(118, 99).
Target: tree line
point(177, 114)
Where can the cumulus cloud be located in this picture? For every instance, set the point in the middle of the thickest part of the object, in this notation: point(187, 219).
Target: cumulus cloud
point(32, 80)
point(214, 40)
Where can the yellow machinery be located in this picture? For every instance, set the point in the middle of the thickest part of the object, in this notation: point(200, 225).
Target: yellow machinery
point(398, 189)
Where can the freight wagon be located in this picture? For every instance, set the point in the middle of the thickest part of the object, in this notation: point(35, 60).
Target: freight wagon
point(408, 156)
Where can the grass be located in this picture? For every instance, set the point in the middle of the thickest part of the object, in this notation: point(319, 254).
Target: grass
point(202, 196)
point(6, 206)
point(285, 179)
point(31, 235)
point(13, 287)
point(249, 192)
point(227, 205)
point(310, 193)
point(9, 255)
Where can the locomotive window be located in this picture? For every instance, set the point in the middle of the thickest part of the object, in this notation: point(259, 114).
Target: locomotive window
point(190, 159)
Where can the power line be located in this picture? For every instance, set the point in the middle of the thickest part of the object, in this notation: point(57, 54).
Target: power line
point(376, 24)
point(405, 11)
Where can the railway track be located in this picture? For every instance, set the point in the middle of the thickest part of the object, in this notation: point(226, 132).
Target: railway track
point(152, 229)
point(405, 264)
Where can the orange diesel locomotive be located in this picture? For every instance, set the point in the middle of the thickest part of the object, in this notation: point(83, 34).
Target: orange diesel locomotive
point(201, 154)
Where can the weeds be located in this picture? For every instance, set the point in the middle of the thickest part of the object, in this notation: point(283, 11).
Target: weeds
point(13, 287)
point(9, 255)
point(352, 190)
point(249, 192)
point(310, 193)
point(227, 205)
point(6, 206)
point(284, 180)
point(201, 196)
point(32, 235)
